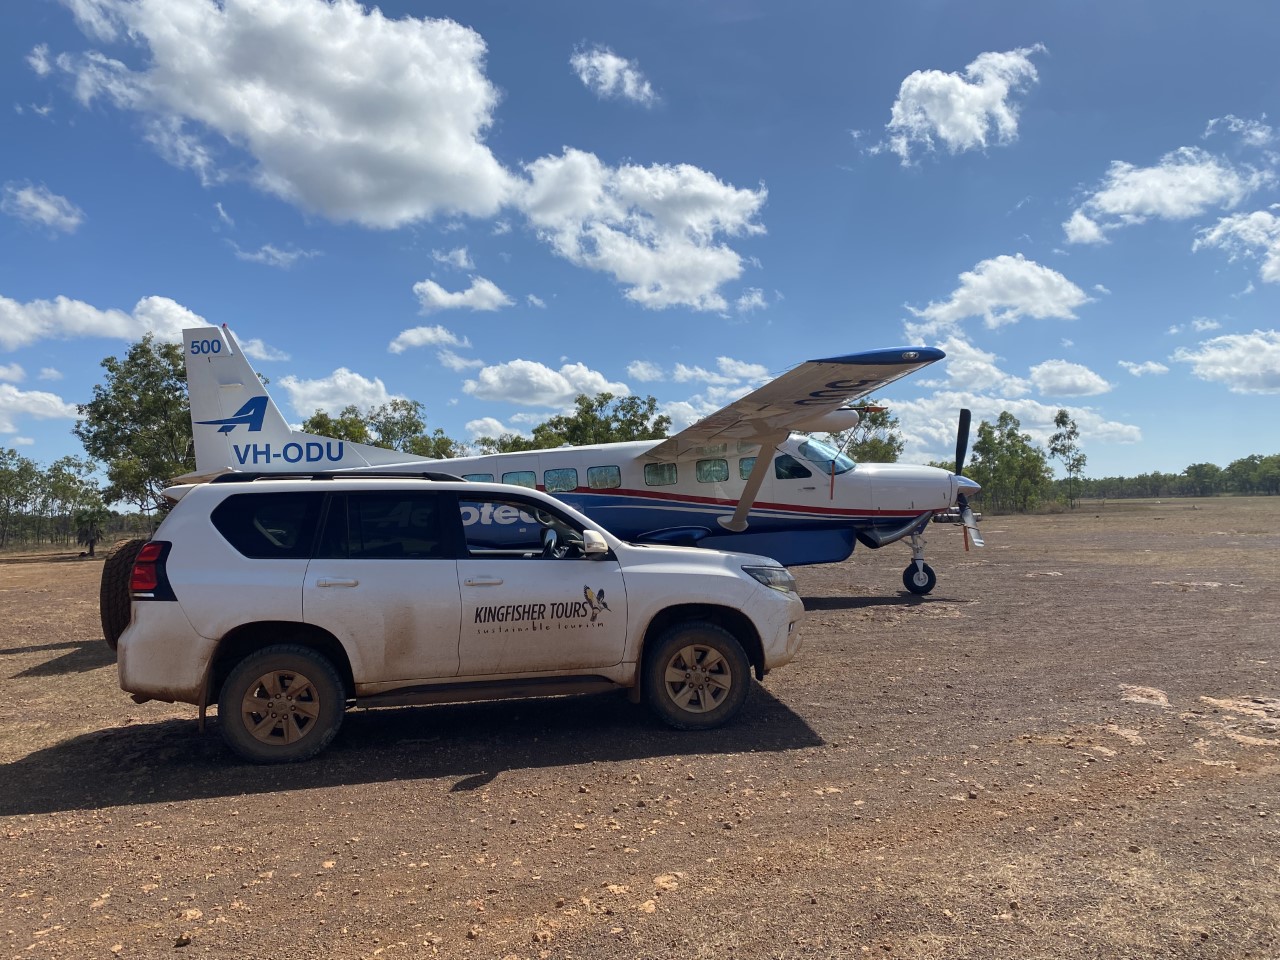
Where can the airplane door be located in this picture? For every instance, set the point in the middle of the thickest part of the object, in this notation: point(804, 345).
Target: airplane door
point(385, 583)
point(523, 611)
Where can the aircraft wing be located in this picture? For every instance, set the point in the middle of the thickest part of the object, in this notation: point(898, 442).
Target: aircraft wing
point(798, 399)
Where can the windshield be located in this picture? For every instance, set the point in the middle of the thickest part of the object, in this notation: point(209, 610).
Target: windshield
point(827, 458)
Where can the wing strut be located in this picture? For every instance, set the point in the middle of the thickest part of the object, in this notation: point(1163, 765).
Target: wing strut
point(764, 461)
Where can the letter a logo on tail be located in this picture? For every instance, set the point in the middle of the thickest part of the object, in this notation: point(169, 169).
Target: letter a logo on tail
point(250, 415)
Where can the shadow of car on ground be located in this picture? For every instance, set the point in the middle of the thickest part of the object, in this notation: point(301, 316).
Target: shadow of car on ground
point(475, 743)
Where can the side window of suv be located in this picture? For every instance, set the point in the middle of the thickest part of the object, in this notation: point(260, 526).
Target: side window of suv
point(267, 526)
point(390, 525)
point(507, 527)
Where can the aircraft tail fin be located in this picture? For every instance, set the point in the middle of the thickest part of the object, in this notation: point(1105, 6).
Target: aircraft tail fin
point(237, 426)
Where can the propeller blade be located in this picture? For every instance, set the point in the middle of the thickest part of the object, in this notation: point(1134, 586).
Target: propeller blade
point(962, 439)
point(971, 526)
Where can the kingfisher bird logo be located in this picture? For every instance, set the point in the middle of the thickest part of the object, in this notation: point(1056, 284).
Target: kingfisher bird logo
point(250, 415)
point(595, 600)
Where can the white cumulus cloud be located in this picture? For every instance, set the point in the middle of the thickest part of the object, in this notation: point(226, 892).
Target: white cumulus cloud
point(970, 368)
point(273, 256)
point(340, 389)
point(458, 258)
point(654, 229)
point(751, 299)
point(433, 336)
point(1001, 290)
point(481, 295)
point(606, 74)
point(644, 371)
point(39, 206)
point(1252, 133)
point(1243, 362)
point(1247, 235)
point(15, 403)
point(455, 362)
point(487, 427)
point(38, 60)
point(1185, 183)
point(1062, 378)
point(255, 349)
point(63, 319)
point(338, 108)
point(1151, 367)
point(532, 384)
point(12, 373)
point(962, 111)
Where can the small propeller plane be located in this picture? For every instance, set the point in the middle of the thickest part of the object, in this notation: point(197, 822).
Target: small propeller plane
point(746, 478)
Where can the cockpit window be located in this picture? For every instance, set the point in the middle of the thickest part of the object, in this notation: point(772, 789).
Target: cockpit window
point(827, 458)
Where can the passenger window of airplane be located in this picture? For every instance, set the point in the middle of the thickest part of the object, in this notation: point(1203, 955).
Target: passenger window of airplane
point(712, 471)
point(659, 474)
point(604, 478)
point(521, 478)
point(478, 477)
point(560, 480)
point(787, 467)
point(745, 466)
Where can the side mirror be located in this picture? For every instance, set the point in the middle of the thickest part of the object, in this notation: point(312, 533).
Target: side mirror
point(593, 545)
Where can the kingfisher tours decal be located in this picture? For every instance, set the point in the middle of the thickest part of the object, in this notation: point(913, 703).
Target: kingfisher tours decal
point(551, 615)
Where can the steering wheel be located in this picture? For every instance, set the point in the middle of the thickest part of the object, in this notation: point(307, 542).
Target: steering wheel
point(553, 548)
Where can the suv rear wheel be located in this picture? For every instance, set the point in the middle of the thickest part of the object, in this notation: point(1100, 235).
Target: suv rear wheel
point(281, 704)
point(696, 676)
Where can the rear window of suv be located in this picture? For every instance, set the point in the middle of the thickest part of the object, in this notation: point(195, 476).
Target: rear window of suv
point(270, 526)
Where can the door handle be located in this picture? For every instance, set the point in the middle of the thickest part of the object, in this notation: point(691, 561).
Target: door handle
point(808, 488)
point(326, 582)
point(483, 582)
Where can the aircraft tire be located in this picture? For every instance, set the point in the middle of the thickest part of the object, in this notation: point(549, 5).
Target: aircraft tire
point(114, 606)
point(920, 582)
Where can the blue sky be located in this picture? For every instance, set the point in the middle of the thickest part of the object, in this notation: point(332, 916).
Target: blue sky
point(491, 207)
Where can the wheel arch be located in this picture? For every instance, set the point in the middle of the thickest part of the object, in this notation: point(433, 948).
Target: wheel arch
point(734, 621)
point(250, 637)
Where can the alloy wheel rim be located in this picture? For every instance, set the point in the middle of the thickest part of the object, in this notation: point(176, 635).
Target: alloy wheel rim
point(280, 707)
point(697, 678)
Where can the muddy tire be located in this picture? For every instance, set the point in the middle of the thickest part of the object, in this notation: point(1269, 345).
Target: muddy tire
point(114, 605)
point(281, 704)
point(696, 676)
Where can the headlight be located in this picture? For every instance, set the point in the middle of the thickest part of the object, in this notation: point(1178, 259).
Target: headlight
point(775, 578)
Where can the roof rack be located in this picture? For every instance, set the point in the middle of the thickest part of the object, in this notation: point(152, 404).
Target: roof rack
point(340, 475)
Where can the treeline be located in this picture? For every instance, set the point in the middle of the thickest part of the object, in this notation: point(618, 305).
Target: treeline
point(55, 505)
point(1249, 476)
point(1016, 474)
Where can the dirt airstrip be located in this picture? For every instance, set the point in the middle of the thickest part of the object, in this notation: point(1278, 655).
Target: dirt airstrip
point(1071, 749)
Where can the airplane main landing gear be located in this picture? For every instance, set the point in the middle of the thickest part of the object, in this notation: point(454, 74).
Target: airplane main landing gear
point(919, 577)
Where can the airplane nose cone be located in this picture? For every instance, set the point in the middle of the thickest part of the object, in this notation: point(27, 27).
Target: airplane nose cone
point(966, 486)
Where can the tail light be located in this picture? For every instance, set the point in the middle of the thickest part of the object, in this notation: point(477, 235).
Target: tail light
point(148, 581)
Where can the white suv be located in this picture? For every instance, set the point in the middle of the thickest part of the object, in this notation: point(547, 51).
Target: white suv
point(285, 600)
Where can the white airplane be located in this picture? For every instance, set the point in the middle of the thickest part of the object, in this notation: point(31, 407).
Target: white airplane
point(746, 478)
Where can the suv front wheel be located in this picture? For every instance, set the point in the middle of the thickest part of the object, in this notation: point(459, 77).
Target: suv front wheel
point(696, 676)
point(281, 704)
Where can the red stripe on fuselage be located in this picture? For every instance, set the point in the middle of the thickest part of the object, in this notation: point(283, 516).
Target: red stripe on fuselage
point(723, 502)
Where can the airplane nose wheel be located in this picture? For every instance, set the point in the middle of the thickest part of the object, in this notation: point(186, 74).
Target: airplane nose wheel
point(919, 578)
